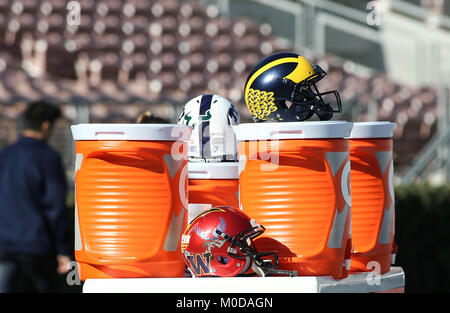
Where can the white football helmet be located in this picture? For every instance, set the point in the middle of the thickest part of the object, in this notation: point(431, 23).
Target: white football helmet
point(211, 118)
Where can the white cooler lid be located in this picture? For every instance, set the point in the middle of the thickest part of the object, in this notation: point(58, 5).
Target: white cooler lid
point(219, 170)
point(373, 130)
point(148, 132)
point(292, 130)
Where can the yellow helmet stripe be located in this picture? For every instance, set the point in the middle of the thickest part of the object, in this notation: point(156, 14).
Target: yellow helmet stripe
point(302, 71)
point(265, 68)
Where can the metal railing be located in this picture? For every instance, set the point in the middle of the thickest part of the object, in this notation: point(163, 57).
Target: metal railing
point(430, 151)
point(308, 21)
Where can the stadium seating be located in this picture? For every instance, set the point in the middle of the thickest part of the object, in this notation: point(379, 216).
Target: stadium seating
point(126, 54)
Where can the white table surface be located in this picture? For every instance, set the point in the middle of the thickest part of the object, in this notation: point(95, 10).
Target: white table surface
point(354, 283)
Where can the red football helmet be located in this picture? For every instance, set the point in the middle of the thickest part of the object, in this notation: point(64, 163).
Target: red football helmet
point(219, 242)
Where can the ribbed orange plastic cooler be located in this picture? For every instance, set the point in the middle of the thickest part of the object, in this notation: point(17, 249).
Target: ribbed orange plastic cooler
point(295, 180)
point(212, 184)
point(130, 199)
point(372, 172)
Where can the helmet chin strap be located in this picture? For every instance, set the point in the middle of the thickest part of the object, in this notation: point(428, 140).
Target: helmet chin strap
point(265, 268)
point(259, 265)
point(324, 113)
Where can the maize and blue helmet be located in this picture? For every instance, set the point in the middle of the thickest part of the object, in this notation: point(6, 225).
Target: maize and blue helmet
point(282, 87)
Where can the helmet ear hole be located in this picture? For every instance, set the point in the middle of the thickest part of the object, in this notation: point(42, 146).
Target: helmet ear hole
point(222, 260)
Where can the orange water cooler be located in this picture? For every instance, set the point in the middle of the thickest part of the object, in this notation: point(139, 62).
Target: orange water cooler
point(130, 199)
point(212, 184)
point(373, 206)
point(294, 179)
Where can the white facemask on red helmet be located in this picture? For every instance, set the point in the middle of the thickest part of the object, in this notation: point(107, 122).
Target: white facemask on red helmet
point(219, 242)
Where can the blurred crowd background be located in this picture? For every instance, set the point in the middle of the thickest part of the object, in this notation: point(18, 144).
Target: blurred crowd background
point(389, 59)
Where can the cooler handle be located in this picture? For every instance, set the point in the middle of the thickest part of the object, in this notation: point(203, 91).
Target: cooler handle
point(285, 132)
point(104, 151)
point(105, 135)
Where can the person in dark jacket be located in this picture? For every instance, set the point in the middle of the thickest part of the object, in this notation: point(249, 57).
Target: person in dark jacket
point(33, 220)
